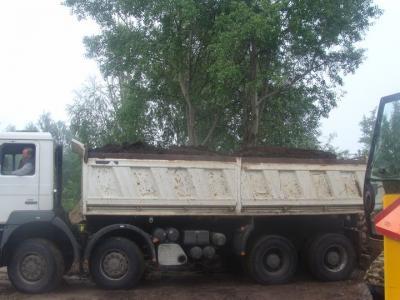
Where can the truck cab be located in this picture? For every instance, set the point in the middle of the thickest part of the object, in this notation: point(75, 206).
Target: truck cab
point(29, 192)
point(36, 242)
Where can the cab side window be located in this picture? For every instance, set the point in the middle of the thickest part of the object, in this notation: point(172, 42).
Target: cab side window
point(18, 159)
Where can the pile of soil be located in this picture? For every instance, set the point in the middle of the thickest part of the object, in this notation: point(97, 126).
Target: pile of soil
point(260, 151)
point(137, 147)
point(272, 151)
point(143, 148)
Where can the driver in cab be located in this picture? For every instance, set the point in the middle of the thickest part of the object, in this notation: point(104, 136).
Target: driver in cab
point(27, 163)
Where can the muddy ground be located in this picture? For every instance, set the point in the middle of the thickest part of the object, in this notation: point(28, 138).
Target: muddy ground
point(174, 285)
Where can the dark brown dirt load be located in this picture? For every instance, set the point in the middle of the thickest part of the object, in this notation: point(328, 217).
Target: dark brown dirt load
point(260, 151)
point(271, 151)
point(137, 147)
point(143, 148)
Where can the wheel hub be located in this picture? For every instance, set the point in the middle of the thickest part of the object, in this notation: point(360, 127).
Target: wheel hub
point(333, 258)
point(115, 265)
point(33, 267)
point(273, 261)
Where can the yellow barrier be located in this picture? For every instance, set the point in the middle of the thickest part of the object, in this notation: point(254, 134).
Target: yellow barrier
point(392, 259)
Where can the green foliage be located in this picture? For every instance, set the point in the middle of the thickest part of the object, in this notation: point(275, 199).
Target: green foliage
point(220, 73)
point(58, 129)
point(31, 127)
point(367, 126)
point(72, 172)
point(341, 154)
point(93, 114)
point(71, 161)
point(271, 52)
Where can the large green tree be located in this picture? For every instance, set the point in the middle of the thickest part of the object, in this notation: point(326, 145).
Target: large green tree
point(223, 73)
point(92, 113)
point(270, 54)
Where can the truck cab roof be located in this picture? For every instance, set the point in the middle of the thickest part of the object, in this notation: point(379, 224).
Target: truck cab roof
point(25, 136)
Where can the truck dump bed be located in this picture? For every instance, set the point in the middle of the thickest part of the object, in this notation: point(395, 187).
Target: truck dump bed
point(168, 184)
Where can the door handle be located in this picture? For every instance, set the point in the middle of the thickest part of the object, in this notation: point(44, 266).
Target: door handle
point(30, 201)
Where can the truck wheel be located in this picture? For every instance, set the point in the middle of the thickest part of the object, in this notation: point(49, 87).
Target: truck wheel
point(272, 260)
point(36, 266)
point(117, 263)
point(331, 257)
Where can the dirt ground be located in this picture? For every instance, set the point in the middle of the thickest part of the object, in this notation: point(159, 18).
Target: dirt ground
point(174, 285)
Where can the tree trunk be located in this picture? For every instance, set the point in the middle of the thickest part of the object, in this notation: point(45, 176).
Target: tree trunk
point(190, 110)
point(252, 103)
point(191, 124)
point(211, 131)
point(251, 129)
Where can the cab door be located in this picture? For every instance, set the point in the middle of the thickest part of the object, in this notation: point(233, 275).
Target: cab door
point(17, 192)
point(383, 168)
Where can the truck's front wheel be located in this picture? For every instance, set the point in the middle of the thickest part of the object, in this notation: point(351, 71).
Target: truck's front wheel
point(117, 263)
point(36, 266)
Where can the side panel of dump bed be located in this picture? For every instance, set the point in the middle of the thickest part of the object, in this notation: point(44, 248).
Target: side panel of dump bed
point(275, 188)
point(234, 186)
point(159, 187)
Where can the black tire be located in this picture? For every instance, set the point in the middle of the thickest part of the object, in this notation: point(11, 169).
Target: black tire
point(272, 260)
point(117, 263)
point(36, 266)
point(331, 257)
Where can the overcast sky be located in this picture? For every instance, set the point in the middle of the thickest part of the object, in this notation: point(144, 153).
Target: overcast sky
point(42, 62)
point(42, 59)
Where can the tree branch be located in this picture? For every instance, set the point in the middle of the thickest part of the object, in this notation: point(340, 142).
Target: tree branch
point(184, 88)
point(291, 82)
point(211, 131)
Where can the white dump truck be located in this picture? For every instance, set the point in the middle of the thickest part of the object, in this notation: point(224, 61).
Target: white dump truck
point(175, 210)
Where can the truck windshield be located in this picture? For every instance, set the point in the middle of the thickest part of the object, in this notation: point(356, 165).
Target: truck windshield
point(386, 157)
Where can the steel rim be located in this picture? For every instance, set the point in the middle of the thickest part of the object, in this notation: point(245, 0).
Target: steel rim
point(33, 267)
point(114, 264)
point(335, 258)
point(273, 260)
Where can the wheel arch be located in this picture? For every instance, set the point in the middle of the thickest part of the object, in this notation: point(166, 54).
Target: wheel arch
point(54, 230)
point(137, 235)
point(241, 238)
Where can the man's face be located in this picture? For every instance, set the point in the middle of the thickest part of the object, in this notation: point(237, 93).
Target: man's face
point(25, 153)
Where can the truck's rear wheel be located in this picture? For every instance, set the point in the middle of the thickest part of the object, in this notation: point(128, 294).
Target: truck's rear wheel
point(272, 260)
point(36, 266)
point(117, 263)
point(331, 257)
